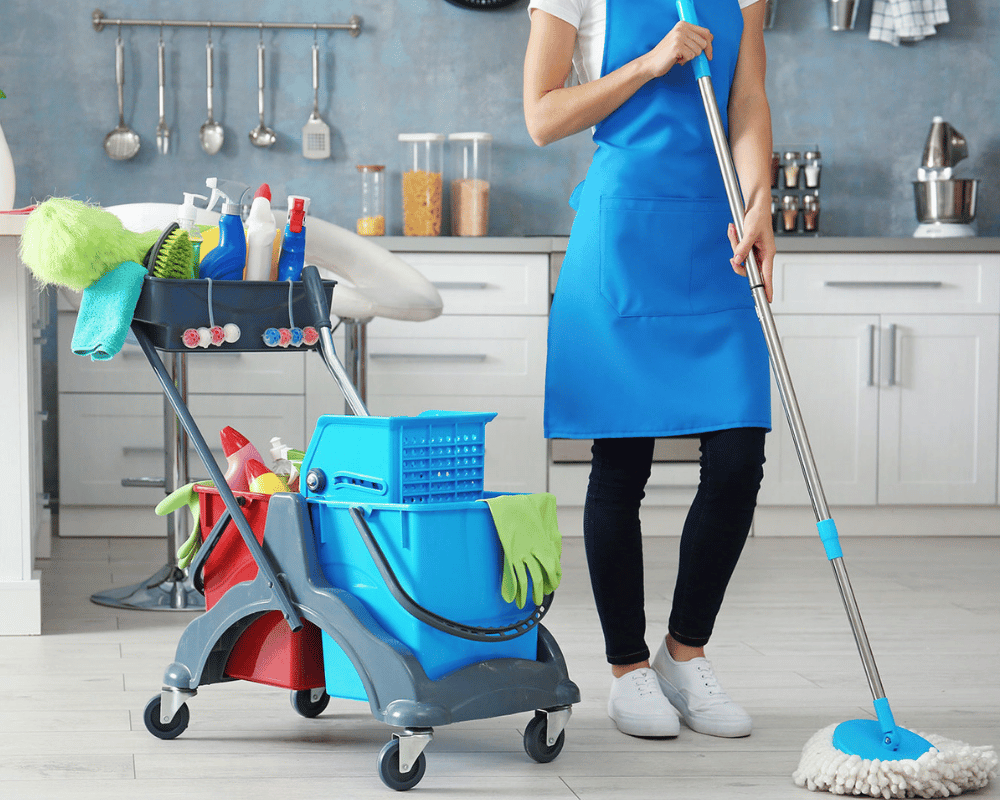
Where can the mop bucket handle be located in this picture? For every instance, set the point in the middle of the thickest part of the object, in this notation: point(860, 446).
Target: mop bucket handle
point(459, 629)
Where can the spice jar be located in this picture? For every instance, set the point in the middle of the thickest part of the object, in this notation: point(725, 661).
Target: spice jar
point(422, 178)
point(371, 220)
point(810, 212)
point(775, 214)
point(775, 165)
point(790, 213)
point(470, 183)
point(792, 167)
point(812, 169)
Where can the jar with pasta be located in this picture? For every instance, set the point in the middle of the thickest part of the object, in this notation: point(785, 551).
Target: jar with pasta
point(422, 180)
point(371, 219)
point(470, 183)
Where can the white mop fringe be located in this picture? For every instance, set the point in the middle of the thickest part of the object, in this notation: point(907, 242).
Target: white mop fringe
point(948, 769)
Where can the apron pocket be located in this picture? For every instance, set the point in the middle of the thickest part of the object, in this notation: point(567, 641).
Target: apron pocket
point(667, 257)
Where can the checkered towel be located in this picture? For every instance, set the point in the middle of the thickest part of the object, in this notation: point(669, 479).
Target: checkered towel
point(894, 21)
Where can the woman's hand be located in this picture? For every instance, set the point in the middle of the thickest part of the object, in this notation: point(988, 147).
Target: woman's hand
point(759, 237)
point(683, 44)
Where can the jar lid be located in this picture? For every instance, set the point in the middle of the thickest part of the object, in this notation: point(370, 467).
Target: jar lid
point(813, 155)
point(370, 167)
point(791, 155)
point(421, 137)
point(470, 137)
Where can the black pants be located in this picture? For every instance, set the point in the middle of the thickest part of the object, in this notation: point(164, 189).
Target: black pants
point(711, 542)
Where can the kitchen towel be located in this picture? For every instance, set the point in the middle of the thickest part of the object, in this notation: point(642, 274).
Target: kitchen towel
point(896, 21)
point(106, 312)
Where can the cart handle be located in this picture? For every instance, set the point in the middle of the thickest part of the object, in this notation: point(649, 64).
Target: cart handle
point(459, 629)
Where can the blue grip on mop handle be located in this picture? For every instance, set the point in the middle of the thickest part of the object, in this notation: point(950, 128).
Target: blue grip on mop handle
point(828, 535)
point(685, 9)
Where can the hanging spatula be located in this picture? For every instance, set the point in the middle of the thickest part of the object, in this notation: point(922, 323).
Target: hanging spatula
point(315, 133)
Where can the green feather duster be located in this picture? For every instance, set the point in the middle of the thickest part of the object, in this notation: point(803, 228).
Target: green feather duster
point(70, 243)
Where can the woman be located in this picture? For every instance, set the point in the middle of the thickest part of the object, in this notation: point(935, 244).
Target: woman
point(652, 330)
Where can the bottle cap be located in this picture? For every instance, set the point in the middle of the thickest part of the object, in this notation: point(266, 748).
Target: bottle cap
point(264, 191)
point(232, 440)
point(297, 215)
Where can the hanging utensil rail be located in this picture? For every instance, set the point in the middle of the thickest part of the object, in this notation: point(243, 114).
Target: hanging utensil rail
point(353, 25)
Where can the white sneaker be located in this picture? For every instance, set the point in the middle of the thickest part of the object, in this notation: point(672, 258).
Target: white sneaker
point(693, 689)
point(639, 708)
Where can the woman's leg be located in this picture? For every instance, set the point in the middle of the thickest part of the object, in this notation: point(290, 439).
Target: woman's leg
point(613, 540)
point(715, 530)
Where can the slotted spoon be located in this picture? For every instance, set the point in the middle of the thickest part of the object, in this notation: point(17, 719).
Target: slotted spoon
point(123, 142)
point(315, 133)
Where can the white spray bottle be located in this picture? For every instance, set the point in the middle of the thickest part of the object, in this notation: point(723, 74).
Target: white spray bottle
point(261, 231)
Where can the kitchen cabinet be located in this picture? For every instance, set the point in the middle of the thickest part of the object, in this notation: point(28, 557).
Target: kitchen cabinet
point(486, 352)
point(895, 365)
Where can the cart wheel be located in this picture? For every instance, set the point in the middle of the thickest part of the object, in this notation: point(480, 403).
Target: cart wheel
point(170, 730)
point(303, 703)
point(536, 742)
point(388, 768)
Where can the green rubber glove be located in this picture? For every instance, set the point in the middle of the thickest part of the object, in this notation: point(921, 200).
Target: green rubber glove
point(185, 496)
point(532, 545)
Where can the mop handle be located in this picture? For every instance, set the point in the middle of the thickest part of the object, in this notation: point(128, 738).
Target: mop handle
point(824, 523)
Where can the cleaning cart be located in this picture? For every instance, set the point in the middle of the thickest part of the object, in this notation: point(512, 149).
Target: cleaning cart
point(379, 581)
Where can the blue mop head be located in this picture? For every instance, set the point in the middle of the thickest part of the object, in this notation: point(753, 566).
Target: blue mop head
point(924, 765)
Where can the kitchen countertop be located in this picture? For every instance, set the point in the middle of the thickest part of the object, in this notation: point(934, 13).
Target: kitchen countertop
point(786, 244)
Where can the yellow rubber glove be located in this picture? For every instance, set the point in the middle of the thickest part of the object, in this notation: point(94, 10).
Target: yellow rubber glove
point(532, 545)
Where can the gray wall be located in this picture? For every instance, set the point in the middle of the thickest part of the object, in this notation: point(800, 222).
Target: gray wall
point(426, 65)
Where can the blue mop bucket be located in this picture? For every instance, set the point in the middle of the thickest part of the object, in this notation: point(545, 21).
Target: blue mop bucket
point(446, 557)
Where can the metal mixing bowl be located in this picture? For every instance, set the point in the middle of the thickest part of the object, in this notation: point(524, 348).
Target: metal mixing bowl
point(951, 200)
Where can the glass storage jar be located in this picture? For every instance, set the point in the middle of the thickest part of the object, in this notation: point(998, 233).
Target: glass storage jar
point(422, 179)
point(470, 183)
point(371, 219)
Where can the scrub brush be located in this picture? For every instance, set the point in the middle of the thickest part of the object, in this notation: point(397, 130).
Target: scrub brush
point(172, 255)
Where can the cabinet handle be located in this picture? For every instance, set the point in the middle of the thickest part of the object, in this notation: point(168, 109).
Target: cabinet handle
point(871, 355)
point(460, 285)
point(884, 284)
point(150, 483)
point(892, 355)
point(478, 357)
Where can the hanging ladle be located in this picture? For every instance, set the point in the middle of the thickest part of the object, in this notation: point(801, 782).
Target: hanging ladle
point(211, 133)
point(162, 131)
point(261, 136)
point(123, 142)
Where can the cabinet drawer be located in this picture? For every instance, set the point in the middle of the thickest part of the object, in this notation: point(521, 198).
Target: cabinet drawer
point(487, 283)
point(105, 438)
point(887, 283)
point(458, 355)
point(208, 373)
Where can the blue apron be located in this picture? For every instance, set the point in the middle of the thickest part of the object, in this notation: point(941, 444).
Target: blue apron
point(651, 332)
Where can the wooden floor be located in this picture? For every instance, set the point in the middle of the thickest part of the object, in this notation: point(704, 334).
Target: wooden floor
point(71, 700)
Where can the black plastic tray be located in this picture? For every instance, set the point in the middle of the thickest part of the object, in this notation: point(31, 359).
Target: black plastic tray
point(168, 307)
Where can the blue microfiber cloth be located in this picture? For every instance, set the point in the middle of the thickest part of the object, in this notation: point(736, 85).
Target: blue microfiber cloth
point(106, 312)
point(532, 546)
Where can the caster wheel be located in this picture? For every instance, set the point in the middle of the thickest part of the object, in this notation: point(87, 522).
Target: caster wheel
point(170, 730)
point(303, 703)
point(536, 741)
point(389, 772)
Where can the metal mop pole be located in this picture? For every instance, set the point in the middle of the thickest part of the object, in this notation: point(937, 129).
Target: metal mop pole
point(827, 529)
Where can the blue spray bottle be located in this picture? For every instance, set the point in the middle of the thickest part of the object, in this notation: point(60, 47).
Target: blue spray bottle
point(226, 260)
point(293, 246)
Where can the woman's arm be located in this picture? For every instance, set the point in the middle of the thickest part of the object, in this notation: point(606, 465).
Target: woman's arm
point(750, 141)
point(553, 111)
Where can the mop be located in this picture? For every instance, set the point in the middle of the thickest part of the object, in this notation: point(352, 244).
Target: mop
point(869, 757)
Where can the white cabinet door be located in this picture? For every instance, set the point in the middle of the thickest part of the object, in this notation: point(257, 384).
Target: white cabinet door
point(938, 440)
point(834, 370)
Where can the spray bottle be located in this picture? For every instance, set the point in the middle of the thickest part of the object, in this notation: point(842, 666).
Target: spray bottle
point(226, 261)
point(239, 450)
point(185, 218)
point(261, 231)
point(293, 245)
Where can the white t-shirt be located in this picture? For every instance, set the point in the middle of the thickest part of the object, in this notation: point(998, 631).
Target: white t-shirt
point(588, 17)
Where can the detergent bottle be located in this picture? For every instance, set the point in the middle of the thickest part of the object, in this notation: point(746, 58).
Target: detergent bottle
point(261, 231)
point(261, 480)
point(227, 260)
point(293, 245)
point(238, 450)
point(185, 218)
